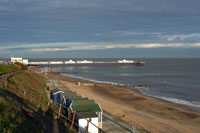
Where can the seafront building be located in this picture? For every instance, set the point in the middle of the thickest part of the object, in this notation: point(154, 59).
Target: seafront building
point(125, 61)
point(70, 62)
point(84, 62)
point(56, 62)
point(19, 59)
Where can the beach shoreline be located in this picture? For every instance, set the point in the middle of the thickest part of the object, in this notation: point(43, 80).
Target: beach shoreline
point(131, 107)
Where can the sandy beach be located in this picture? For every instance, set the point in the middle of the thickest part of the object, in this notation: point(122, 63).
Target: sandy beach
point(130, 107)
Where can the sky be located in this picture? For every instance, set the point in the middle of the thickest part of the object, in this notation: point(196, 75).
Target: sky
point(100, 28)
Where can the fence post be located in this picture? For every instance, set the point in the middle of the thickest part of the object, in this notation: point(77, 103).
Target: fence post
point(6, 84)
point(87, 126)
point(14, 89)
point(73, 120)
point(19, 92)
point(24, 93)
point(59, 111)
point(49, 104)
point(31, 96)
point(40, 101)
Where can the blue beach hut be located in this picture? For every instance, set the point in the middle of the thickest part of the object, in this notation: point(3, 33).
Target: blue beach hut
point(54, 95)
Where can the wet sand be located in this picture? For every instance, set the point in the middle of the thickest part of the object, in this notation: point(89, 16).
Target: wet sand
point(131, 107)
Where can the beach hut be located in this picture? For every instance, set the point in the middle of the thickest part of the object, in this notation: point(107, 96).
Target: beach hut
point(54, 95)
point(80, 102)
point(70, 99)
point(83, 106)
point(81, 120)
point(62, 97)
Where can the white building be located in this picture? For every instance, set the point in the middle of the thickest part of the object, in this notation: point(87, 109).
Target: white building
point(19, 59)
point(70, 62)
point(82, 121)
point(93, 112)
point(84, 62)
point(15, 59)
point(56, 62)
point(125, 61)
point(25, 61)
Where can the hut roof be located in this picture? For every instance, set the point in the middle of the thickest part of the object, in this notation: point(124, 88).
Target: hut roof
point(69, 93)
point(74, 97)
point(87, 114)
point(55, 90)
point(79, 98)
point(79, 102)
point(84, 108)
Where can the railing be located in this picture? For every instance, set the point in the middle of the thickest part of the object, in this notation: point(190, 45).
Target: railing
point(38, 100)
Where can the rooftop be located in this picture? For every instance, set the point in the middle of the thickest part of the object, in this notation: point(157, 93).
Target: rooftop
point(69, 93)
point(83, 102)
point(73, 97)
point(55, 90)
point(85, 108)
point(88, 114)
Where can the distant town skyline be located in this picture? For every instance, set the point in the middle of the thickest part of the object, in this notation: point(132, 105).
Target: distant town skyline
point(100, 28)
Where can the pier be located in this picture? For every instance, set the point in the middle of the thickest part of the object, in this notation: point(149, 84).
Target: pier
point(85, 63)
point(77, 63)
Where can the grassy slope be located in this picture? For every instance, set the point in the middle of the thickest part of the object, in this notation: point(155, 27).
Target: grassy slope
point(13, 117)
point(5, 68)
point(30, 81)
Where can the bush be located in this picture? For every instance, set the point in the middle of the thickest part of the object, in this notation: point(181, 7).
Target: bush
point(22, 66)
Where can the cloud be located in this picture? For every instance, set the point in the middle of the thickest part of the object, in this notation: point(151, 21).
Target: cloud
point(175, 37)
point(112, 46)
point(115, 23)
point(98, 47)
point(180, 37)
point(196, 45)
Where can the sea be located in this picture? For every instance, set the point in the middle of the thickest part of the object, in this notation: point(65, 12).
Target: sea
point(174, 80)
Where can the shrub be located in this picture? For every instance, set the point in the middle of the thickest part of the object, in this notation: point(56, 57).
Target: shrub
point(21, 65)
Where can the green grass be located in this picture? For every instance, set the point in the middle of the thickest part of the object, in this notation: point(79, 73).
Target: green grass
point(5, 68)
point(14, 118)
point(30, 81)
